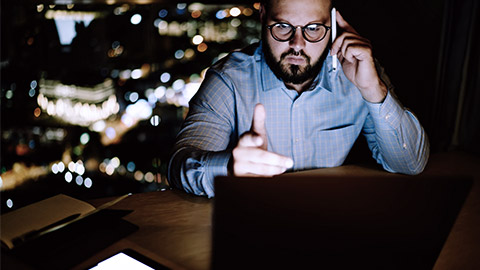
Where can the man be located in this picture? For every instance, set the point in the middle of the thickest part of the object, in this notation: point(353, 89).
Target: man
point(279, 105)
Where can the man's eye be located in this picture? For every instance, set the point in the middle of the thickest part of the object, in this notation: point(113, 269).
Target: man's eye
point(313, 28)
point(283, 26)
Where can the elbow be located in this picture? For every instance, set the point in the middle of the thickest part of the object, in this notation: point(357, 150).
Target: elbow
point(410, 163)
point(420, 167)
point(417, 164)
point(187, 174)
point(422, 157)
point(173, 174)
point(416, 170)
point(177, 174)
point(419, 158)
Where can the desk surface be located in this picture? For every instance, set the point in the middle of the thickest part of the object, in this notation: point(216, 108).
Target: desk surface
point(175, 227)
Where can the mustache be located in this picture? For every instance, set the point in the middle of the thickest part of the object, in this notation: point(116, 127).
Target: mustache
point(295, 53)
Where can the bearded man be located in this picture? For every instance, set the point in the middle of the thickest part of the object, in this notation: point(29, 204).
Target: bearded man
point(279, 105)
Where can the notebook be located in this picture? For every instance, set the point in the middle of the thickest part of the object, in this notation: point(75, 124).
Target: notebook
point(329, 222)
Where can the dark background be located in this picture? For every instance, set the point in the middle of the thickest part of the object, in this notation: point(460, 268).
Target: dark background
point(429, 48)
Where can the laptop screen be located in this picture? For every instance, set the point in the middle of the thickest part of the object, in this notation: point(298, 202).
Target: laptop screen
point(389, 222)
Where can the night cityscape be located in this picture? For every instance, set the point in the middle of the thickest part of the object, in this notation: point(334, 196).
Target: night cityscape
point(94, 94)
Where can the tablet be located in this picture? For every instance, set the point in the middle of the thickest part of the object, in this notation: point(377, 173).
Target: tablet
point(128, 259)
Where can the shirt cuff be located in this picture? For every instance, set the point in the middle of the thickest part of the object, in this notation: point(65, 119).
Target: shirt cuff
point(216, 164)
point(388, 114)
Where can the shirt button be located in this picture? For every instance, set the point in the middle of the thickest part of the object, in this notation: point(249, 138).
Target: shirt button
point(387, 116)
point(297, 140)
point(404, 146)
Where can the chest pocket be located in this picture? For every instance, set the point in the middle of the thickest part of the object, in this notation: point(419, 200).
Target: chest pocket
point(333, 145)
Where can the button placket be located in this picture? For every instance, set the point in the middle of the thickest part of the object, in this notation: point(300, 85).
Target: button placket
point(297, 144)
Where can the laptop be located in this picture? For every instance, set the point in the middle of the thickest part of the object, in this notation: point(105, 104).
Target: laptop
point(332, 222)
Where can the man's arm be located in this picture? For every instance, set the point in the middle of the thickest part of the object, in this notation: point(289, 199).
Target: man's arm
point(200, 152)
point(394, 135)
point(207, 142)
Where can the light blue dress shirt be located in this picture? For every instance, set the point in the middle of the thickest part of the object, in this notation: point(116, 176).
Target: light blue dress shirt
point(316, 128)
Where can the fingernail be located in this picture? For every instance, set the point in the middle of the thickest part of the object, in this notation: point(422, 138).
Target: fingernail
point(289, 163)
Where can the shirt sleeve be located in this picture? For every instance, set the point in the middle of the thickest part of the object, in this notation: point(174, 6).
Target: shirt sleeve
point(395, 136)
point(201, 149)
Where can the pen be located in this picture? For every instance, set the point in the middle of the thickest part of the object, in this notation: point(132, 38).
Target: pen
point(334, 35)
point(63, 222)
point(36, 233)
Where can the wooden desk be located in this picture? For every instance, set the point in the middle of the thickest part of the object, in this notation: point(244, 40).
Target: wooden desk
point(175, 228)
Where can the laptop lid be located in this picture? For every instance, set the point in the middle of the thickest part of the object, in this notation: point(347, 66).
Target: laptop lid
point(297, 222)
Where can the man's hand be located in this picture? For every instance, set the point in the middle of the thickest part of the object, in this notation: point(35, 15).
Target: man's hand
point(355, 55)
point(251, 157)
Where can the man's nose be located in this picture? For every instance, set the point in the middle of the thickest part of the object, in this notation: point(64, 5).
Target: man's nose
point(297, 42)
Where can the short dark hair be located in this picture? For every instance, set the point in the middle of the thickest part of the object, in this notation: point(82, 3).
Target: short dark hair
point(266, 4)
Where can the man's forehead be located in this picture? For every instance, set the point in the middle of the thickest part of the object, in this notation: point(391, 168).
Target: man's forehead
point(308, 3)
point(306, 10)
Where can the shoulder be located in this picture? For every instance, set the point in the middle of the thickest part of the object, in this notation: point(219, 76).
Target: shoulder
point(235, 71)
point(241, 60)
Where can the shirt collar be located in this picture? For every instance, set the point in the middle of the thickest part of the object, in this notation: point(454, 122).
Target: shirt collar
point(270, 81)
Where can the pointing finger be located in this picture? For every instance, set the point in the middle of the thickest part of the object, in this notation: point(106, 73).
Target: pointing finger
point(258, 121)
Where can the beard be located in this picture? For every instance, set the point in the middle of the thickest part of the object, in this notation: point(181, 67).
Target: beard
point(289, 73)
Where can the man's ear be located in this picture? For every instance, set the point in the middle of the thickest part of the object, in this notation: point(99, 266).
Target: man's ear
point(263, 13)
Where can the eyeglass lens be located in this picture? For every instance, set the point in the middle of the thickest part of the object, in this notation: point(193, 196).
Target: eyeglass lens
point(311, 32)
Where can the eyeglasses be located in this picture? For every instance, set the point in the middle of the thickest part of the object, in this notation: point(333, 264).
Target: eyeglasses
point(313, 32)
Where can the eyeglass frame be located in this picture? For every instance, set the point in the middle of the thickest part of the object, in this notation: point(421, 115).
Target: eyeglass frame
point(295, 29)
